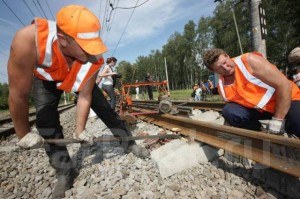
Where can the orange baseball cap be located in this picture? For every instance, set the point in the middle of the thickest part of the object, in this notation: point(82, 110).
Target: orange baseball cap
point(81, 24)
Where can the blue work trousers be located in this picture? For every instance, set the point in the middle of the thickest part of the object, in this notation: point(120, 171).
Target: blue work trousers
point(46, 98)
point(109, 89)
point(247, 118)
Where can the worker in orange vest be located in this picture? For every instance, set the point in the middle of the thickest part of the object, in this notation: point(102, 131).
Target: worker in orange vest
point(53, 57)
point(254, 90)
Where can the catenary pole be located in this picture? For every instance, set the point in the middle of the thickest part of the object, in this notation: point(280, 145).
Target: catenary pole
point(258, 42)
point(166, 68)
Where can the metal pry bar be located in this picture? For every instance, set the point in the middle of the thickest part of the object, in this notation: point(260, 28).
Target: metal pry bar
point(113, 139)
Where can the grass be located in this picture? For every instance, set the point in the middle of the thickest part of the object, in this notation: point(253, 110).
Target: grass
point(180, 95)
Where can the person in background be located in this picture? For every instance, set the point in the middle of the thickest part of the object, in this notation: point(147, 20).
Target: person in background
point(255, 90)
point(194, 87)
point(48, 58)
point(108, 82)
point(137, 91)
point(293, 72)
point(210, 86)
point(204, 90)
point(198, 93)
point(149, 87)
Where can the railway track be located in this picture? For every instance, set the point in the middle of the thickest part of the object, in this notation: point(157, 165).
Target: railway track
point(274, 151)
point(216, 106)
point(6, 125)
point(270, 150)
point(267, 149)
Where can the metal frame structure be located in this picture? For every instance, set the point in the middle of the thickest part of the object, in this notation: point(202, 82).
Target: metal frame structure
point(125, 101)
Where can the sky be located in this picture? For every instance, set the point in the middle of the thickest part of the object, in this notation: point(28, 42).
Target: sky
point(127, 32)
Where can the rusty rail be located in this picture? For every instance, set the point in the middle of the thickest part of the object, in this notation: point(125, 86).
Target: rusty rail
point(217, 106)
point(253, 145)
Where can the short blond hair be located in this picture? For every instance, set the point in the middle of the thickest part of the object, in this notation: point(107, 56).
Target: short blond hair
point(211, 56)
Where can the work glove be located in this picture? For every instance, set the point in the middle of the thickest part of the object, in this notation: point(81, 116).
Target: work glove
point(275, 126)
point(85, 137)
point(32, 140)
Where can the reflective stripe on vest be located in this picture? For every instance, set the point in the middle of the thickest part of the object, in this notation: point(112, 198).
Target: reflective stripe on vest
point(46, 75)
point(52, 37)
point(222, 90)
point(52, 66)
point(80, 76)
point(270, 90)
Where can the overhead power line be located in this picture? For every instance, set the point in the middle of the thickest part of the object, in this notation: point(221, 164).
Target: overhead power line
point(38, 2)
point(104, 17)
point(28, 8)
point(50, 10)
point(13, 13)
point(132, 7)
point(37, 7)
point(125, 27)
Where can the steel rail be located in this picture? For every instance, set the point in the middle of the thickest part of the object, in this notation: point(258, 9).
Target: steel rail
point(182, 111)
point(251, 144)
point(7, 131)
point(217, 106)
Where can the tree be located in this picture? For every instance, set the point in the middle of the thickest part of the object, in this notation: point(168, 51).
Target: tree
point(224, 31)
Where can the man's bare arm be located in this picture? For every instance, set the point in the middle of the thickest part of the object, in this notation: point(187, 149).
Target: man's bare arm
point(84, 104)
point(270, 75)
point(20, 71)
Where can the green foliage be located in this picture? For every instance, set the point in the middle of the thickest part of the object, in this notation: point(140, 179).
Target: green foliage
point(183, 51)
point(283, 25)
point(225, 34)
point(4, 96)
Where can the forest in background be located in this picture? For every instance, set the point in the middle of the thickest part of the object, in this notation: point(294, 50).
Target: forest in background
point(183, 51)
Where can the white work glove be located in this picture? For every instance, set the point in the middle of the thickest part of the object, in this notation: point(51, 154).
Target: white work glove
point(32, 140)
point(275, 126)
point(85, 137)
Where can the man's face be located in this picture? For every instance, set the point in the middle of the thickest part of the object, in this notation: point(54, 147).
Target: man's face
point(77, 52)
point(224, 66)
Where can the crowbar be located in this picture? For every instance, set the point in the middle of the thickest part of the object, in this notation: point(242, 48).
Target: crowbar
point(113, 139)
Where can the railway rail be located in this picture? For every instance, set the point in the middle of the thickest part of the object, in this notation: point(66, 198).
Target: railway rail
point(216, 106)
point(275, 151)
point(7, 128)
point(257, 146)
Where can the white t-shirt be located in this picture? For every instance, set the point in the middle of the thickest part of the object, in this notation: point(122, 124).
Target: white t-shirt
point(297, 79)
point(108, 79)
point(198, 91)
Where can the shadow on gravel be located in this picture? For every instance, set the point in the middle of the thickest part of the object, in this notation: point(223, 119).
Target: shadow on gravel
point(268, 181)
point(90, 155)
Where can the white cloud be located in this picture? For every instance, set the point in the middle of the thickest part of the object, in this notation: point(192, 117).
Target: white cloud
point(147, 20)
point(150, 21)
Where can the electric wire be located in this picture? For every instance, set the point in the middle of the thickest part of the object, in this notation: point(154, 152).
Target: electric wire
point(50, 10)
point(125, 28)
point(111, 24)
point(34, 2)
point(28, 8)
point(38, 2)
point(104, 17)
point(112, 9)
point(132, 7)
point(13, 12)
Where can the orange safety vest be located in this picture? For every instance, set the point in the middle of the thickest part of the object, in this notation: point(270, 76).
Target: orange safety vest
point(51, 64)
point(250, 91)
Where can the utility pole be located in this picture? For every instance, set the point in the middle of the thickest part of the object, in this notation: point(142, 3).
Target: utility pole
point(258, 27)
point(237, 30)
point(166, 68)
